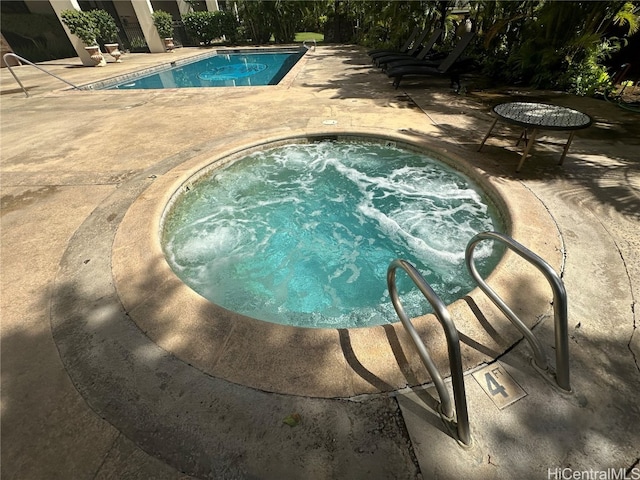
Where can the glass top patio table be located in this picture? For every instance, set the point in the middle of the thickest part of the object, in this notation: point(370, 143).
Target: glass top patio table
point(539, 116)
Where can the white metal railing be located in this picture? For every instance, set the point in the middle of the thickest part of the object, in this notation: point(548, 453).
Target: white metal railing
point(24, 60)
point(304, 44)
point(561, 375)
point(453, 345)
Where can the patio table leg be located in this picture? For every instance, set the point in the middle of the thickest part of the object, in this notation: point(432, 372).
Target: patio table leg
point(488, 133)
point(526, 150)
point(566, 148)
point(523, 136)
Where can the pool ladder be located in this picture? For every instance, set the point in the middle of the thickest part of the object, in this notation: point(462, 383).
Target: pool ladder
point(24, 60)
point(308, 47)
point(560, 377)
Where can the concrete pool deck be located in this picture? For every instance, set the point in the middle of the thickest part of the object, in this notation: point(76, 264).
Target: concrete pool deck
point(87, 392)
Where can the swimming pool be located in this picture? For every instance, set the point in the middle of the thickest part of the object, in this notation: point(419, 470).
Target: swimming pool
point(223, 69)
point(303, 234)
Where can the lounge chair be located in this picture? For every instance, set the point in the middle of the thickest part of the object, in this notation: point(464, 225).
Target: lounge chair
point(425, 57)
point(417, 45)
point(405, 48)
point(452, 65)
point(383, 62)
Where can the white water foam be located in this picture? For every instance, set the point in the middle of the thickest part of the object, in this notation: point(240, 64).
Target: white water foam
point(304, 233)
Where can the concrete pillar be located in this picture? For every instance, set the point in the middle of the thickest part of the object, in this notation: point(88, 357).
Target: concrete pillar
point(58, 7)
point(6, 48)
point(167, 79)
point(143, 10)
point(183, 7)
point(212, 5)
point(35, 6)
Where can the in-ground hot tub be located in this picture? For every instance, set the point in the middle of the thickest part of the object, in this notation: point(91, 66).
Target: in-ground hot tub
point(324, 362)
point(302, 234)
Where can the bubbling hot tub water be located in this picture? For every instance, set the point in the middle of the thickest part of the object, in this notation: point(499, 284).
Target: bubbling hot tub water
point(303, 234)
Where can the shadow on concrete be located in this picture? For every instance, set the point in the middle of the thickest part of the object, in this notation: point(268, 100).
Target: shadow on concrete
point(589, 164)
point(11, 91)
point(358, 367)
point(195, 422)
point(212, 428)
point(591, 426)
point(356, 78)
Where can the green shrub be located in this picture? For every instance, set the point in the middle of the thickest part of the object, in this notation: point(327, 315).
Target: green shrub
point(207, 26)
point(138, 44)
point(91, 26)
point(285, 18)
point(255, 24)
point(229, 25)
point(105, 25)
point(559, 45)
point(164, 23)
point(378, 36)
point(203, 26)
point(589, 76)
point(82, 25)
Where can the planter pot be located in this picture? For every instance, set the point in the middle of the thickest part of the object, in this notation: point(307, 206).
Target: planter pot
point(168, 44)
point(96, 55)
point(114, 51)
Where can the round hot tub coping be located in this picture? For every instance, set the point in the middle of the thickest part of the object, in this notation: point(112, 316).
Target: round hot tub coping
point(326, 362)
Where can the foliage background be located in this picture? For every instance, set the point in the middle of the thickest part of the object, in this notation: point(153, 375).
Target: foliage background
point(566, 45)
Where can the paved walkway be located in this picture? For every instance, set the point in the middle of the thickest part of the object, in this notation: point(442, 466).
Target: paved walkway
point(87, 394)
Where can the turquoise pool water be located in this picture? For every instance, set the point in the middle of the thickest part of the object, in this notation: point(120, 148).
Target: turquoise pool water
point(220, 70)
point(303, 234)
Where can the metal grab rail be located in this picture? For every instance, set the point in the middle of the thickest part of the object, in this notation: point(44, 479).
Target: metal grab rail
point(453, 345)
point(304, 44)
point(559, 305)
point(24, 60)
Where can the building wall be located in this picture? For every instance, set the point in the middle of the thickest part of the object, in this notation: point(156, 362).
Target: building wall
point(36, 6)
point(4, 48)
point(169, 6)
point(33, 30)
point(124, 9)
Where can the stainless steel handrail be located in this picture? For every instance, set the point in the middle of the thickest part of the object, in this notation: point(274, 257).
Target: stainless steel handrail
point(24, 60)
point(453, 345)
point(559, 305)
point(304, 44)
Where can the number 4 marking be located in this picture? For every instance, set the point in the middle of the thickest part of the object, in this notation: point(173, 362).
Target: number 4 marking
point(494, 387)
